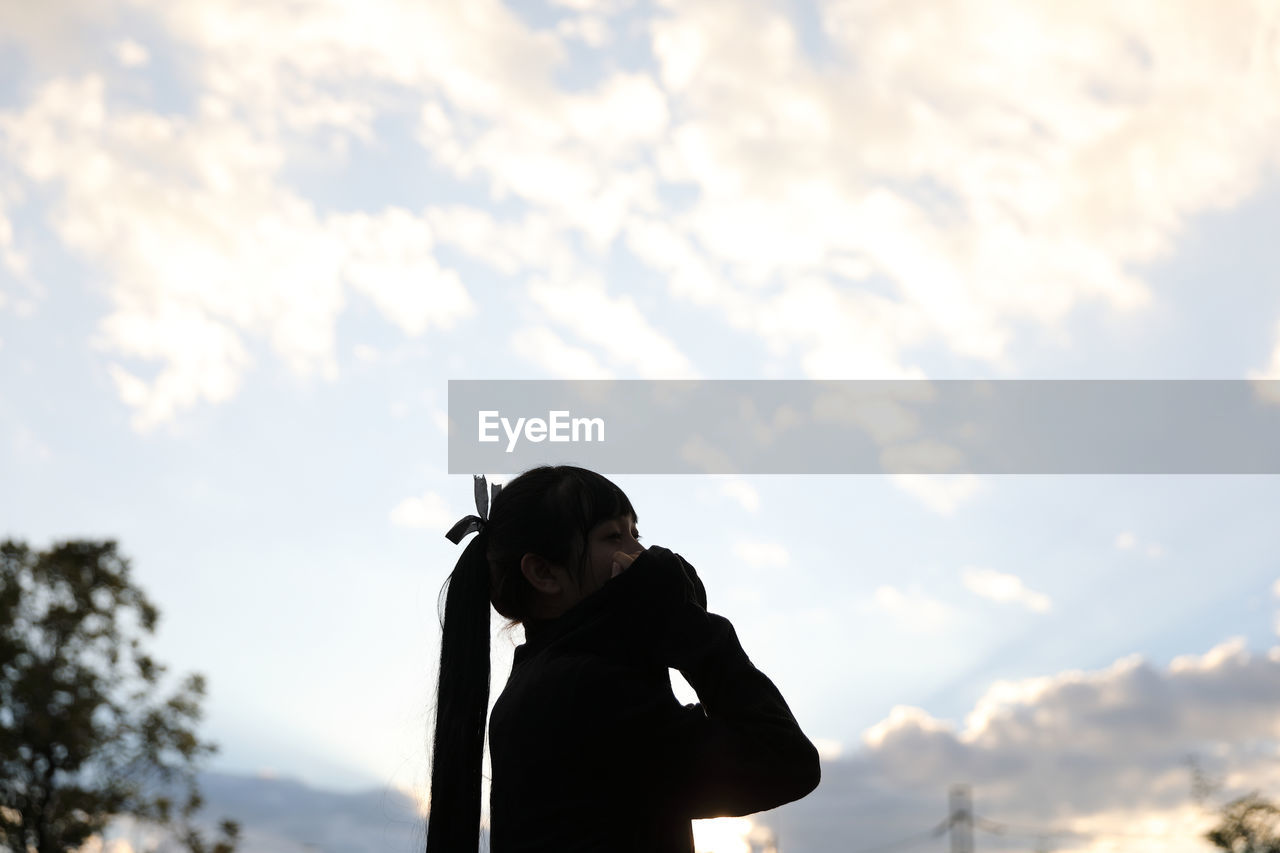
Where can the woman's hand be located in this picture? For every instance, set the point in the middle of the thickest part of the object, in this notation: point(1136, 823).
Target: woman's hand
point(666, 605)
point(621, 561)
point(695, 591)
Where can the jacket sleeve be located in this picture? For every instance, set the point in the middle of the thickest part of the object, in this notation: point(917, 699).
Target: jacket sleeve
point(739, 752)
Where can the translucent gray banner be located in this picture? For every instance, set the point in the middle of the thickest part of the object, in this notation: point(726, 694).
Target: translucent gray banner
point(867, 427)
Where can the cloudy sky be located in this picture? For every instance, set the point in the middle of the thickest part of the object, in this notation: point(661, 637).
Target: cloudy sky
point(244, 245)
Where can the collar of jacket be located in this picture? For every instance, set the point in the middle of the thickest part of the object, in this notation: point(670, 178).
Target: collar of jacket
point(609, 621)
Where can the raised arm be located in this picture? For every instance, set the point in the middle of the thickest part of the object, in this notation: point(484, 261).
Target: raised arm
point(738, 752)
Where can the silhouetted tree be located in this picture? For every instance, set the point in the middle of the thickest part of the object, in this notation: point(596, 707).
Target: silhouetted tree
point(83, 736)
point(1248, 825)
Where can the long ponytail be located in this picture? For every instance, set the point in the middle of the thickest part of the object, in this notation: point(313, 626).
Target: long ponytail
point(462, 704)
point(547, 511)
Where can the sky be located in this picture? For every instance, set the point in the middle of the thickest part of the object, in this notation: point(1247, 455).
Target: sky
point(244, 246)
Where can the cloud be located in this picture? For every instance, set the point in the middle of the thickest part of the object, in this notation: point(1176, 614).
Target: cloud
point(591, 29)
point(429, 511)
point(1269, 390)
point(389, 257)
point(902, 718)
point(12, 259)
point(55, 35)
point(722, 835)
point(614, 324)
point(545, 348)
point(828, 749)
point(206, 252)
point(741, 491)
point(1275, 590)
point(96, 844)
point(762, 555)
point(1003, 588)
point(912, 610)
point(130, 54)
point(201, 247)
point(508, 246)
point(1101, 752)
point(1012, 178)
point(943, 494)
point(1128, 541)
point(1021, 145)
point(440, 418)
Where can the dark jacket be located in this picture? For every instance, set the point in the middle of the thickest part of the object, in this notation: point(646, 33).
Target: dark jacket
point(590, 749)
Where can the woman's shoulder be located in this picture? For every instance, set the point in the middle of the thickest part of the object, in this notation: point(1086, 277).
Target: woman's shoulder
point(580, 677)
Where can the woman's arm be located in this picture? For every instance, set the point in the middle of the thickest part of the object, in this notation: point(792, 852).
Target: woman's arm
point(740, 751)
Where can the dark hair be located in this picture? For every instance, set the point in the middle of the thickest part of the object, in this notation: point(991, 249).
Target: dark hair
point(549, 511)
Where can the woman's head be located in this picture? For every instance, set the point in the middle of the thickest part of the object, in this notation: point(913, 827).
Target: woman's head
point(548, 543)
point(550, 539)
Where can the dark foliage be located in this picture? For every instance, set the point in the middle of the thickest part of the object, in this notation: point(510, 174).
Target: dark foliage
point(1249, 824)
point(83, 735)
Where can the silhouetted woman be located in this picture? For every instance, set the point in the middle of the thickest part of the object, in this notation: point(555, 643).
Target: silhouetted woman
point(590, 749)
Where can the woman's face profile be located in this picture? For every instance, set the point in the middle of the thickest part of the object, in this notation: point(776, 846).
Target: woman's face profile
point(603, 541)
point(559, 588)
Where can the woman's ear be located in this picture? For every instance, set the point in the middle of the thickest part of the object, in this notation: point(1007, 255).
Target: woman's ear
point(541, 574)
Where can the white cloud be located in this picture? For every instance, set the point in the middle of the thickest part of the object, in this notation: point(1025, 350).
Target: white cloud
point(13, 260)
point(206, 253)
point(722, 835)
point(441, 419)
point(1272, 369)
point(1231, 650)
point(607, 6)
point(1003, 588)
point(29, 447)
point(204, 360)
point(55, 34)
point(96, 844)
point(549, 351)
point(130, 54)
point(742, 492)
point(912, 610)
point(1101, 752)
point(1268, 391)
point(389, 258)
point(1128, 541)
point(762, 555)
point(614, 324)
point(507, 246)
point(943, 494)
point(1011, 177)
point(591, 29)
point(903, 717)
point(828, 748)
point(429, 511)
point(180, 212)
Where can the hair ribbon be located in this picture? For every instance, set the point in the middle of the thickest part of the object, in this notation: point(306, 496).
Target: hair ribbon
point(485, 493)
